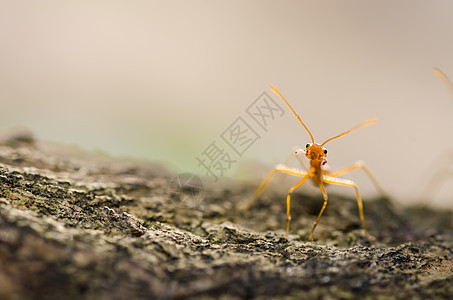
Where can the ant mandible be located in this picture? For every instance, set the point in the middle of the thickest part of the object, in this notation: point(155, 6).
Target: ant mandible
point(316, 153)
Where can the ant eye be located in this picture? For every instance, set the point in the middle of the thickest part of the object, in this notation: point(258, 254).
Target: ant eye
point(308, 145)
point(325, 151)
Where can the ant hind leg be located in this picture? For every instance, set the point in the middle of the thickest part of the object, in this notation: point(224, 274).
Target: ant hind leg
point(346, 182)
point(366, 169)
point(277, 168)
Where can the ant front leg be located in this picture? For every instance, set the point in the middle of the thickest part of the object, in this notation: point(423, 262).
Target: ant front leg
point(278, 168)
point(295, 153)
point(346, 182)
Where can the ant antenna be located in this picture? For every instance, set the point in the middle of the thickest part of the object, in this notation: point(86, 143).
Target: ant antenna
point(368, 122)
point(444, 78)
point(283, 98)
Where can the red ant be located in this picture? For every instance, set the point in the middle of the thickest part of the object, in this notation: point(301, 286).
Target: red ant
point(317, 154)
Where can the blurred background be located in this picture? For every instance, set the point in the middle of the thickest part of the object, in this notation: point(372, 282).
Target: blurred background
point(162, 80)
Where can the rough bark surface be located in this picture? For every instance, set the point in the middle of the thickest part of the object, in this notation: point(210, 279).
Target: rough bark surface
point(77, 225)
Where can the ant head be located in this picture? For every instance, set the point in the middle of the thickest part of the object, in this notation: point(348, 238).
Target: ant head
point(315, 153)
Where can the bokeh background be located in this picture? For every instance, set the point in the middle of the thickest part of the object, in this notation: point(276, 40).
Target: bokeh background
point(161, 80)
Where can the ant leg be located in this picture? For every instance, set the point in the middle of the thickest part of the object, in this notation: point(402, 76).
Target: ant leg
point(438, 179)
point(288, 200)
point(346, 182)
point(364, 167)
point(445, 79)
point(321, 186)
point(278, 168)
point(294, 154)
point(434, 184)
